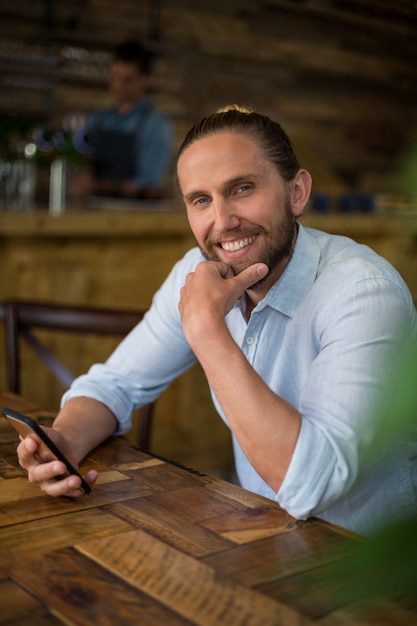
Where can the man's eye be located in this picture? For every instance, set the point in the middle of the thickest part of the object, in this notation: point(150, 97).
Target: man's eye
point(243, 188)
point(200, 201)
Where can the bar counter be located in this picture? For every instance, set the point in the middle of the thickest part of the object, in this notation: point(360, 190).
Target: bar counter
point(131, 219)
point(156, 543)
point(148, 219)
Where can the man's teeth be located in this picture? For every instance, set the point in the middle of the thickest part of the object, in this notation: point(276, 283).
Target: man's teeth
point(232, 246)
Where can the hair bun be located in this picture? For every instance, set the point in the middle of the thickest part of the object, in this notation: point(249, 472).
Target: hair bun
point(235, 107)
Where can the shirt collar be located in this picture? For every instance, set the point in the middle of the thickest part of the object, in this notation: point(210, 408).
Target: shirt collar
point(299, 275)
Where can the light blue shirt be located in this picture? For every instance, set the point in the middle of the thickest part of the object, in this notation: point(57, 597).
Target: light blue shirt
point(326, 338)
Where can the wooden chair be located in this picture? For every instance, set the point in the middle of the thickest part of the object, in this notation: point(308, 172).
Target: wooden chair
point(21, 318)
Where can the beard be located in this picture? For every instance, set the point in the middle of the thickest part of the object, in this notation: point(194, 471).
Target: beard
point(278, 246)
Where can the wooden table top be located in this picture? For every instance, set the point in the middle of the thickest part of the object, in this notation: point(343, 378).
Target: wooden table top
point(157, 544)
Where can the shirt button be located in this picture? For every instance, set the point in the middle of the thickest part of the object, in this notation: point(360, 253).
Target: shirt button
point(249, 340)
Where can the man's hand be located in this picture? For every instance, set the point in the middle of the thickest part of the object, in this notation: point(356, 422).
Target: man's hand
point(51, 476)
point(210, 292)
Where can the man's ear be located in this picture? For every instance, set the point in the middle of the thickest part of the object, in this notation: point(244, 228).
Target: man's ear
point(300, 191)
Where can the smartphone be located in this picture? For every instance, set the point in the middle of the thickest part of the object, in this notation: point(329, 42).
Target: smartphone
point(25, 425)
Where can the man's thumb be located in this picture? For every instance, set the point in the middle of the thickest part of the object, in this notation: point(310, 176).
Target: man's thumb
point(252, 275)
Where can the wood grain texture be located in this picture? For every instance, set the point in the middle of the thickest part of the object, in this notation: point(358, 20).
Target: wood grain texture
point(172, 528)
point(17, 493)
point(196, 594)
point(82, 592)
point(20, 608)
point(280, 555)
point(156, 543)
point(56, 531)
point(251, 524)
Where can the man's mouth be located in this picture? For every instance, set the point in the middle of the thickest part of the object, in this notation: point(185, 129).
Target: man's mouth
point(237, 244)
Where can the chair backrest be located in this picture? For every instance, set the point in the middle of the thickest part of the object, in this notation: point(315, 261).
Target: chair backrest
point(22, 317)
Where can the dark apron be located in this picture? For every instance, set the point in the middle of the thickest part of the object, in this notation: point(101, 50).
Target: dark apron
point(114, 154)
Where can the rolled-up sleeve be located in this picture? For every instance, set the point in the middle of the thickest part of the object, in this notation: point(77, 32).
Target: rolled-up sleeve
point(343, 400)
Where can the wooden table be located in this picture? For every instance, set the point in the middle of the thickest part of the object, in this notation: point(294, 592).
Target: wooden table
point(158, 544)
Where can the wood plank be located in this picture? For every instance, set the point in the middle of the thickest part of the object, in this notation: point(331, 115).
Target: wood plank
point(166, 477)
point(318, 593)
point(236, 493)
point(313, 593)
point(20, 608)
point(280, 555)
point(24, 502)
point(81, 592)
point(185, 585)
point(9, 468)
point(252, 524)
point(116, 452)
point(51, 533)
point(148, 222)
point(169, 526)
point(9, 465)
point(197, 503)
point(134, 465)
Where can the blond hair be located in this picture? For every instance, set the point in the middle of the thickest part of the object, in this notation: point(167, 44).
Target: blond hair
point(235, 107)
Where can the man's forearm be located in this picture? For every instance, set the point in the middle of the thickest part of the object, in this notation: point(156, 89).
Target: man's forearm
point(85, 423)
point(266, 426)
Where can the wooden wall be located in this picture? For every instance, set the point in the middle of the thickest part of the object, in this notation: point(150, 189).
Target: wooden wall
point(340, 75)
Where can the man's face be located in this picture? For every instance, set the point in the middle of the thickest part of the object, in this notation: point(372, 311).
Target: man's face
point(237, 204)
point(127, 83)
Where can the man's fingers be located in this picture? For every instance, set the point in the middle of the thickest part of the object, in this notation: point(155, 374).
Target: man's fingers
point(251, 275)
point(224, 269)
point(69, 486)
point(26, 451)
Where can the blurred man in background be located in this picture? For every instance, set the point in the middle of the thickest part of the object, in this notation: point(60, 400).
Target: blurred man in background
point(131, 141)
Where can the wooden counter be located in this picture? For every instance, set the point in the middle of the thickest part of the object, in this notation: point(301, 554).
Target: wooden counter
point(119, 258)
point(98, 223)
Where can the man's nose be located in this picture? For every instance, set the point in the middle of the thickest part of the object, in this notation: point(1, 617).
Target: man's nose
point(225, 217)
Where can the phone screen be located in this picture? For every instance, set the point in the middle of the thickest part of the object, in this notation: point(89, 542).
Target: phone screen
point(25, 425)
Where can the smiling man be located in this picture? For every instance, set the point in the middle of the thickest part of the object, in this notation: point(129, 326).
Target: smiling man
point(298, 333)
